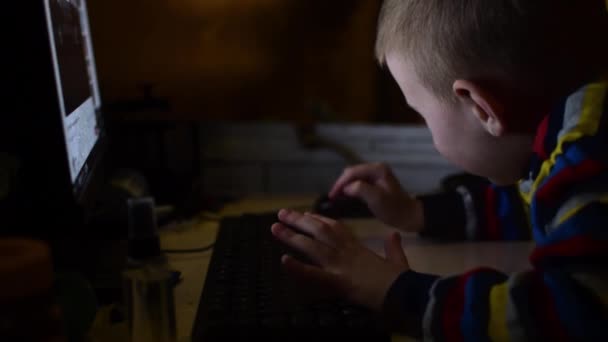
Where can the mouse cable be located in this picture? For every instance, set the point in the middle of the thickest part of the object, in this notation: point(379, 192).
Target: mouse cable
point(189, 250)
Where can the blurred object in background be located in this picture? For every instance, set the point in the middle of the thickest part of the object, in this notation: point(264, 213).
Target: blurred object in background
point(28, 311)
point(309, 139)
point(247, 59)
point(270, 158)
point(37, 304)
point(171, 70)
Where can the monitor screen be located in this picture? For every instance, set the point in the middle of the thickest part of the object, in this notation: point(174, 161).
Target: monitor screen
point(75, 75)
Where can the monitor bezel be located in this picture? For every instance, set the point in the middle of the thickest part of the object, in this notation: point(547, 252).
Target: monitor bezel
point(84, 183)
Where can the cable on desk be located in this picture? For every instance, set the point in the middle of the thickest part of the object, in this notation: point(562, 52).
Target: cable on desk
point(189, 250)
point(209, 217)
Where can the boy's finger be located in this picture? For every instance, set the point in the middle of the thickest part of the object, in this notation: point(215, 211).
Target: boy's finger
point(358, 172)
point(394, 250)
point(310, 273)
point(323, 219)
point(307, 224)
point(315, 250)
point(341, 234)
point(368, 193)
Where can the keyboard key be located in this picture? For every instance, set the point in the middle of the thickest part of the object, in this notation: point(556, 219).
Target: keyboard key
point(303, 319)
point(328, 319)
point(275, 321)
point(247, 293)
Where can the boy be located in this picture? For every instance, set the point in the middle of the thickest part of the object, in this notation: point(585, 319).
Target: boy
point(512, 90)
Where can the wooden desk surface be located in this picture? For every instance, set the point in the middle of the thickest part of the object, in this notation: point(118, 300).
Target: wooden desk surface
point(424, 256)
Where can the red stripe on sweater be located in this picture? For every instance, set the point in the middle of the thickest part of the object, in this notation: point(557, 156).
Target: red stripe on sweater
point(454, 307)
point(576, 246)
point(452, 312)
point(551, 190)
point(544, 311)
point(492, 222)
point(541, 135)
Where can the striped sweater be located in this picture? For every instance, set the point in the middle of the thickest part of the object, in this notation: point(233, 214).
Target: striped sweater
point(563, 206)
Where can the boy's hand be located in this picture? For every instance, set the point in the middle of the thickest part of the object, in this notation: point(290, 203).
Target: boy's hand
point(376, 185)
point(345, 266)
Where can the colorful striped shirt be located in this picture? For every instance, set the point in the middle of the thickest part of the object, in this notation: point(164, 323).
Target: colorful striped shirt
point(563, 205)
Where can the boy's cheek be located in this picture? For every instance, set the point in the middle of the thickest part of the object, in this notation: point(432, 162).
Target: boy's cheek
point(459, 148)
point(464, 155)
point(448, 149)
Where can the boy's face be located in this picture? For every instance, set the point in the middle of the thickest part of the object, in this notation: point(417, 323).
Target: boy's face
point(461, 132)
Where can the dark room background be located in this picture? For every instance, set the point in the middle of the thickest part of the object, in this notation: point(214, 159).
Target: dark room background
point(296, 61)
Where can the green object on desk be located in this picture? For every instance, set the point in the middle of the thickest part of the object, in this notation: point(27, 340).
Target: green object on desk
point(78, 304)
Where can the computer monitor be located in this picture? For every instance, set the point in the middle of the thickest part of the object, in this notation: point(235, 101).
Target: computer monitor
point(77, 88)
point(51, 125)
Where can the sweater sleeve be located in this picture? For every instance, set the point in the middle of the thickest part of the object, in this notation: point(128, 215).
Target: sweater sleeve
point(564, 296)
point(480, 211)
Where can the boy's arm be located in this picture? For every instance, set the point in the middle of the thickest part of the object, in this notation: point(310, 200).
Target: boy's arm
point(544, 304)
point(476, 212)
point(565, 296)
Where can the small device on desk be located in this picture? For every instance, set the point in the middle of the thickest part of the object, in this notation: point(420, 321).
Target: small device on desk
point(248, 297)
point(341, 207)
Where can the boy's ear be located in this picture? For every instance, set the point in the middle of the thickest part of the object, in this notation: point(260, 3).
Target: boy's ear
point(483, 104)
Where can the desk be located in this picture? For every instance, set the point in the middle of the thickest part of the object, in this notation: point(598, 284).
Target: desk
point(424, 256)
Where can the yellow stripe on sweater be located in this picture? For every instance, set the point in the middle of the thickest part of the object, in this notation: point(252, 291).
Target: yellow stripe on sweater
point(587, 125)
point(499, 298)
point(570, 213)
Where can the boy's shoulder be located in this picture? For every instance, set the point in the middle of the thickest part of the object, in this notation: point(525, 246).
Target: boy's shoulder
point(570, 145)
point(580, 119)
point(585, 110)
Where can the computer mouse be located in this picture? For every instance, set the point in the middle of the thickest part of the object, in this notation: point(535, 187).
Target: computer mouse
point(341, 207)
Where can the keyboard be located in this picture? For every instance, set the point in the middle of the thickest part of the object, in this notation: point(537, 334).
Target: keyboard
point(247, 296)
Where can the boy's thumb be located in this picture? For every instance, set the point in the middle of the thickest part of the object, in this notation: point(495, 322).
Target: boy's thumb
point(368, 193)
point(394, 250)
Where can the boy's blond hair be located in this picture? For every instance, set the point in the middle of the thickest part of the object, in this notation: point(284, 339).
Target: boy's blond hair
point(531, 44)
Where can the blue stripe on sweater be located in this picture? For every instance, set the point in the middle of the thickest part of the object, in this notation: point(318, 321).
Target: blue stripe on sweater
point(591, 220)
point(578, 311)
point(474, 320)
point(506, 212)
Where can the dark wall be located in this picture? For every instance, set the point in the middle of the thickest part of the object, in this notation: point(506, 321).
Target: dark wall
point(247, 59)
